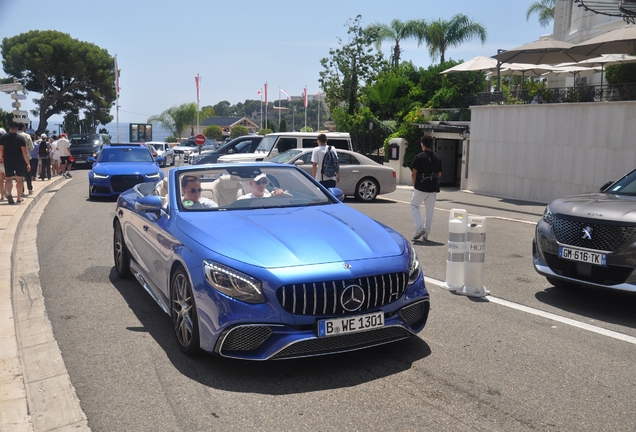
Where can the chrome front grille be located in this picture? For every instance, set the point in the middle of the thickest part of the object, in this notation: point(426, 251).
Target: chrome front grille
point(605, 236)
point(324, 298)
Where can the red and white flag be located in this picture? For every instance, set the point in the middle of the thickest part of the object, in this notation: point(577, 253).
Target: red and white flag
point(196, 81)
point(265, 93)
point(285, 94)
point(305, 97)
point(117, 89)
point(259, 92)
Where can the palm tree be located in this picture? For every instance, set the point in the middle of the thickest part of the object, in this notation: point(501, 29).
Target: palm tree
point(439, 35)
point(176, 118)
point(545, 10)
point(396, 32)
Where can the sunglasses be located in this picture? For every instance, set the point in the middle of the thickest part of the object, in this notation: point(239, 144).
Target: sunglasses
point(193, 190)
point(261, 182)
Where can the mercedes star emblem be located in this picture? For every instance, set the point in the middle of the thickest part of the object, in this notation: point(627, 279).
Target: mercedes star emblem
point(352, 298)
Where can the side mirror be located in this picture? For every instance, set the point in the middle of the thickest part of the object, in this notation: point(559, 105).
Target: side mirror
point(299, 162)
point(149, 204)
point(337, 192)
point(90, 159)
point(160, 160)
point(605, 186)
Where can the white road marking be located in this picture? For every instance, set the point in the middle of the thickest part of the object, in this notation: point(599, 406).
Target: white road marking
point(548, 315)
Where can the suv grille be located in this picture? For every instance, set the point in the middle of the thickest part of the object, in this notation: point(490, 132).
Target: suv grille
point(121, 183)
point(322, 298)
point(605, 236)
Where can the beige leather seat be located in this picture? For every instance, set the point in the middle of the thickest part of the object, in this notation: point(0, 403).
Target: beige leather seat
point(226, 190)
point(162, 191)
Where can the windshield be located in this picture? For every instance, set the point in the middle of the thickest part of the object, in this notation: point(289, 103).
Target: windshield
point(85, 140)
point(266, 144)
point(625, 186)
point(126, 154)
point(286, 156)
point(236, 188)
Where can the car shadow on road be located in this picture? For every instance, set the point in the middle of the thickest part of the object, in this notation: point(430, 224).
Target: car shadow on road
point(279, 377)
point(605, 305)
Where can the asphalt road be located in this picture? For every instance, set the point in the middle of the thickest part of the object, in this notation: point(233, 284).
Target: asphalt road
point(560, 364)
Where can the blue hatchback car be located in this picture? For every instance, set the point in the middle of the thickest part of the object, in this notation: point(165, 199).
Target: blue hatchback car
point(119, 167)
point(258, 261)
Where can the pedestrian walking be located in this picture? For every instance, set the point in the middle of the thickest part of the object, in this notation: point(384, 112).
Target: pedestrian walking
point(325, 167)
point(44, 157)
point(64, 149)
point(32, 174)
point(30, 146)
point(14, 155)
point(426, 169)
point(55, 157)
point(2, 175)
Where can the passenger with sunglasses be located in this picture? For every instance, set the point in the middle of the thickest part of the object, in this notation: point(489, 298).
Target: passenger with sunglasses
point(259, 188)
point(191, 191)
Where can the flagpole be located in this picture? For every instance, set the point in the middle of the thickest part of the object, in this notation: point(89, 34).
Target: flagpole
point(117, 97)
point(279, 109)
point(265, 104)
point(305, 108)
point(261, 109)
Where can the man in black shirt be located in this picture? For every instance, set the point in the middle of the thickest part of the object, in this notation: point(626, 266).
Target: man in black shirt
point(13, 153)
point(426, 170)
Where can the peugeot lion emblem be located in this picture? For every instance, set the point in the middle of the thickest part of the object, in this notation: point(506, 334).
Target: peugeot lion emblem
point(587, 233)
point(352, 298)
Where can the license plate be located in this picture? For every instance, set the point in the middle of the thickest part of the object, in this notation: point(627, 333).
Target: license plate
point(338, 326)
point(79, 161)
point(583, 256)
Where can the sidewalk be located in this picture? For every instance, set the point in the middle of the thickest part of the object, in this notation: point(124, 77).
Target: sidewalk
point(21, 409)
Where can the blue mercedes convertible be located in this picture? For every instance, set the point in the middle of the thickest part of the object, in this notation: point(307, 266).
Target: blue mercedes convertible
point(258, 261)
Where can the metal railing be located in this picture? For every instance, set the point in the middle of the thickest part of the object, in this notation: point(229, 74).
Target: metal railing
point(584, 93)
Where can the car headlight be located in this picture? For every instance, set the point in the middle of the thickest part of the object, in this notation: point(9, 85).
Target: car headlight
point(548, 216)
point(100, 176)
point(152, 176)
point(233, 283)
point(414, 267)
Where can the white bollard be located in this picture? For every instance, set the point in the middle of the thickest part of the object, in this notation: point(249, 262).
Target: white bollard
point(475, 258)
point(457, 220)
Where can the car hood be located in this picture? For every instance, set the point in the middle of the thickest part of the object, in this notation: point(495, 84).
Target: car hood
point(292, 236)
point(112, 168)
point(597, 206)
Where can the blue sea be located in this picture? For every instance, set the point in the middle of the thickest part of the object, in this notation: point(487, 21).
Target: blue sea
point(158, 133)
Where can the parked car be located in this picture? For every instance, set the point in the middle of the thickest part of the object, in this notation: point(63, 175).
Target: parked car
point(164, 150)
point(275, 143)
point(293, 275)
point(188, 146)
point(84, 146)
point(590, 239)
point(243, 144)
point(119, 167)
point(360, 176)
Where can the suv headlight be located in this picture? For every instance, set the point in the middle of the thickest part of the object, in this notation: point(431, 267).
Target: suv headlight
point(414, 266)
point(152, 176)
point(233, 283)
point(100, 176)
point(548, 216)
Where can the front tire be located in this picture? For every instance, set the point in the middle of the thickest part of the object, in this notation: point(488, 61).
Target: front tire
point(184, 313)
point(120, 252)
point(367, 189)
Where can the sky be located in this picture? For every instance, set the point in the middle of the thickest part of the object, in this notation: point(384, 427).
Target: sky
point(236, 47)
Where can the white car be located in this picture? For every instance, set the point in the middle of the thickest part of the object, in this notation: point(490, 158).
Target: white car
point(163, 150)
point(360, 176)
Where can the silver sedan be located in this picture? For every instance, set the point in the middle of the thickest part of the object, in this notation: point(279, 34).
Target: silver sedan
point(360, 176)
